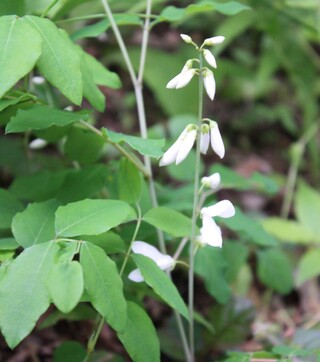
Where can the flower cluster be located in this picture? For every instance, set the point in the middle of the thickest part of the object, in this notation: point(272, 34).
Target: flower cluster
point(209, 134)
point(187, 72)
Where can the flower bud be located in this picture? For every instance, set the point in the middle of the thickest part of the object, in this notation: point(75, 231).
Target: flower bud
point(37, 144)
point(209, 83)
point(204, 138)
point(216, 139)
point(186, 38)
point(212, 181)
point(214, 40)
point(210, 58)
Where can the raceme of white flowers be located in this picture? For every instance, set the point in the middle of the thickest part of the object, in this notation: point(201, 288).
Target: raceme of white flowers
point(164, 262)
point(187, 72)
point(210, 233)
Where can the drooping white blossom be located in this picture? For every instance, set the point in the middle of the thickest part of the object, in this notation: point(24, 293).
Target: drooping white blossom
point(210, 233)
point(209, 83)
point(212, 181)
point(181, 147)
point(204, 138)
point(184, 77)
point(164, 262)
point(209, 57)
point(216, 139)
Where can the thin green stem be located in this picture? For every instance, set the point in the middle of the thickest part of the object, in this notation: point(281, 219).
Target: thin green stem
point(194, 217)
point(126, 154)
point(126, 258)
point(298, 150)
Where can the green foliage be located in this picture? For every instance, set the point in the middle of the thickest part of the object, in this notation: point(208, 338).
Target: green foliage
point(40, 117)
point(160, 283)
point(9, 206)
point(35, 224)
point(138, 320)
point(19, 52)
point(90, 217)
point(130, 182)
point(69, 352)
point(275, 270)
point(23, 287)
point(169, 220)
point(104, 285)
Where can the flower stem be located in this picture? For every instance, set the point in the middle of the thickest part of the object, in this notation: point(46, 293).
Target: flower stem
point(194, 217)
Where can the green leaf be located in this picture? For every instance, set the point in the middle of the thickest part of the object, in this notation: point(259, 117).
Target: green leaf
point(309, 266)
point(20, 48)
point(130, 182)
point(41, 117)
point(69, 351)
point(9, 206)
point(92, 31)
point(8, 7)
point(251, 228)
point(76, 139)
point(289, 231)
point(15, 98)
point(65, 285)
point(35, 224)
point(235, 255)
point(274, 270)
point(146, 147)
point(172, 13)
point(83, 183)
point(307, 207)
point(101, 75)
point(90, 90)
point(162, 285)
point(90, 217)
point(59, 62)
point(110, 242)
point(210, 264)
point(138, 320)
point(38, 187)
point(8, 244)
point(170, 221)
point(23, 289)
point(104, 285)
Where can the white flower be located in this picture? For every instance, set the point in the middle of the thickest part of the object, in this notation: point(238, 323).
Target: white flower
point(209, 83)
point(212, 181)
point(210, 233)
point(216, 139)
point(37, 144)
point(210, 58)
point(181, 148)
point(183, 78)
point(164, 262)
point(186, 38)
point(222, 208)
point(204, 138)
point(38, 80)
point(214, 40)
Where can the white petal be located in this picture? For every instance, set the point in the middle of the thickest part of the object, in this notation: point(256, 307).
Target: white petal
point(185, 78)
point(222, 208)
point(186, 38)
point(37, 144)
point(210, 58)
point(216, 140)
point(170, 155)
point(209, 84)
point(172, 84)
point(204, 142)
point(210, 232)
point(166, 262)
point(214, 40)
point(186, 145)
point(140, 247)
point(136, 276)
point(212, 181)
